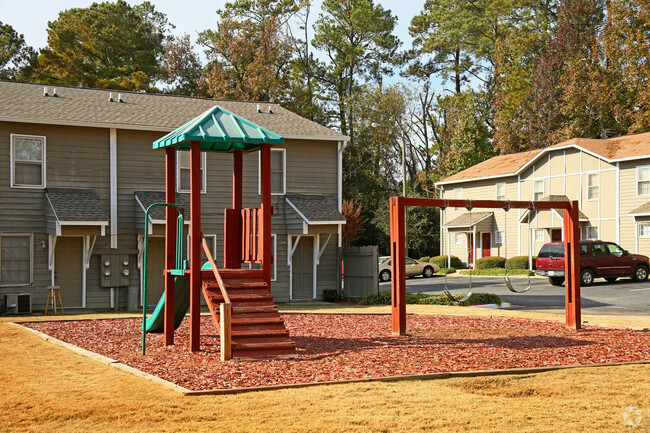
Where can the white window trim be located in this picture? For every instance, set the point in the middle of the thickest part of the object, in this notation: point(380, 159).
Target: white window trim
point(587, 233)
point(458, 236)
point(641, 235)
point(31, 258)
point(538, 182)
point(536, 232)
point(597, 187)
point(453, 196)
point(284, 172)
point(209, 238)
point(496, 191)
point(499, 237)
point(637, 180)
point(204, 172)
point(11, 163)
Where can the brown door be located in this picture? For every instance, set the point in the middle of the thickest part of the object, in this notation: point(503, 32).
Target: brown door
point(155, 266)
point(556, 235)
point(303, 269)
point(486, 244)
point(68, 270)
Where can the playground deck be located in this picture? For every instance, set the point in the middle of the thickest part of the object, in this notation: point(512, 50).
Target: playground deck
point(336, 347)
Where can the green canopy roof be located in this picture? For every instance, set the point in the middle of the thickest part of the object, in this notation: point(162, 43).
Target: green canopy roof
point(219, 130)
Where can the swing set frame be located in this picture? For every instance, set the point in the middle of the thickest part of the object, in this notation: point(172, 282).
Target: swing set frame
point(398, 249)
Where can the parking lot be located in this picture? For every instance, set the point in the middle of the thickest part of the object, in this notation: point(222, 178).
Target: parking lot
point(623, 297)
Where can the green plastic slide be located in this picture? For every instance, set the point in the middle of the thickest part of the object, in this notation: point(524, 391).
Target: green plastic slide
point(155, 322)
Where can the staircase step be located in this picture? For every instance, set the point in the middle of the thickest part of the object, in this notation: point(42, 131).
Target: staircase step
point(243, 274)
point(256, 321)
point(254, 309)
point(260, 333)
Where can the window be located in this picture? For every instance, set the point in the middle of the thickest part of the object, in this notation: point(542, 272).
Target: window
point(457, 195)
point(15, 259)
point(183, 173)
point(593, 181)
point(274, 250)
point(538, 235)
point(500, 237)
point(643, 180)
point(278, 172)
point(614, 250)
point(500, 191)
point(644, 230)
point(27, 161)
point(458, 238)
point(539, 190)
point(592, 233)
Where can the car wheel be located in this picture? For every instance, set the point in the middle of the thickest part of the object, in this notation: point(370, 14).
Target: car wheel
point(384, 275)
point(427, 272)
point(640, 273)
point(586, 277)
point(611, 279)
point(556, 281)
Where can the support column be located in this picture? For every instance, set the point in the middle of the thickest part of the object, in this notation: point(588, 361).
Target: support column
point(195, 246)
point(233, 225)
point(170, 242)
point(398, 265)
point(265, 226)
point(572, 267)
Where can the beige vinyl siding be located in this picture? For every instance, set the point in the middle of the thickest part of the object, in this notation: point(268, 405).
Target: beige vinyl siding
point(590, 162)
point(572, 161)
point(630, 201)
point(607, 193)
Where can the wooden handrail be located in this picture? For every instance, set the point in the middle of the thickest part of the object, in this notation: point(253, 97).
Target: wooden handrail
point(215, 271)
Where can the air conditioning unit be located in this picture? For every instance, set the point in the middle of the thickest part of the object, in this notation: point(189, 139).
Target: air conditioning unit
point(18, 303)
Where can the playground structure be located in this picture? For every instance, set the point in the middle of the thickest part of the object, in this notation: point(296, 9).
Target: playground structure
point(239, 300)
point(397, 247)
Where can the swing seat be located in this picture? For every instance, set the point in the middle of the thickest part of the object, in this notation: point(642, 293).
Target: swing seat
point(511, 287)
point(453, 298)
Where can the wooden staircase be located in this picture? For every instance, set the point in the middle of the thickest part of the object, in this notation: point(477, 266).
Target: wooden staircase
point(258, 331)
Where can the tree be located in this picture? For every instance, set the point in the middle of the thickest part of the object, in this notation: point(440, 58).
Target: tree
point(106, 45)
point(15, 54)
point(357, 38)
point(250, 52)
point(353, 227)
point(181, 67)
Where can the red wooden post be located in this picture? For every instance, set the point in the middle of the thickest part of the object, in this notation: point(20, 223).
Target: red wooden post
point(195, 246)
point(170, 242)
point(572, 266)
point(398, 266)
point(233, 221)
point(264, 233)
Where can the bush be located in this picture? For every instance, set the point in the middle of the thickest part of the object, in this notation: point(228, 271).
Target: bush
point(442, 261)
point(444, 271)
point(495, 272)
point(519, 262)
point(424, 259)
point(384, 298)
point(490, 262)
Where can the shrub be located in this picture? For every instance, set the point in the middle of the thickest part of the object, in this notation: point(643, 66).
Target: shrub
point(519, 262)
point(490, 262)
point(444, 271)
point(424, 259)
point(383, 298)
point(442, 261)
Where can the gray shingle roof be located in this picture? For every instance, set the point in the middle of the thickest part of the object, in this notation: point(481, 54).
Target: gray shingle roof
point(561, 197)
point(25, 102)
point(76, 204)
point(467, 220)
point(147, 198)
point(315, 208)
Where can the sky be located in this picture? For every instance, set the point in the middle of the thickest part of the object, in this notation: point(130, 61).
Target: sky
point(30, 17)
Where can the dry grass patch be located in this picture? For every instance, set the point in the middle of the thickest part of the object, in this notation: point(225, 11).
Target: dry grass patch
point(48, 388)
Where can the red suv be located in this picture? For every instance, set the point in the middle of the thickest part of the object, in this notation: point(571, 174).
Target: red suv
point(598, 259)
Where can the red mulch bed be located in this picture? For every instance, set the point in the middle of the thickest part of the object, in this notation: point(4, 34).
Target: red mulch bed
point(342, 347)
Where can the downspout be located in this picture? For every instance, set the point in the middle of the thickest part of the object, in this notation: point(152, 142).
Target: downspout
point(339, 192)
point(114, 301)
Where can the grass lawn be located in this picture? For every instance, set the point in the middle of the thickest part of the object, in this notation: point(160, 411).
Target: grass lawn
point(49, 388)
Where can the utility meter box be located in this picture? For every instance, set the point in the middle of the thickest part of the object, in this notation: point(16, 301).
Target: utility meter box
point(115, 270)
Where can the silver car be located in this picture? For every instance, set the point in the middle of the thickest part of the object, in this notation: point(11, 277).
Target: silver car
point(413, 268)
